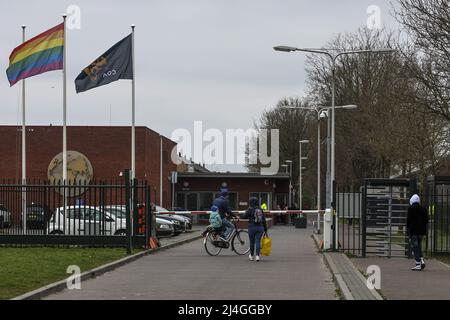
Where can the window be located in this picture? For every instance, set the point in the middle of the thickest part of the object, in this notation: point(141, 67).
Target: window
point(263, 197)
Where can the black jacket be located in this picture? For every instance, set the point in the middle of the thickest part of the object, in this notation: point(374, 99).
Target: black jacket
point(417, 221)
point(224, 206)
point(250, 214)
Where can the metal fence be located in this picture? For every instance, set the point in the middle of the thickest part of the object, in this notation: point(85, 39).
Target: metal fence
point(76, 213)
point(438, 205)
point(348, 223)
point(371, 219)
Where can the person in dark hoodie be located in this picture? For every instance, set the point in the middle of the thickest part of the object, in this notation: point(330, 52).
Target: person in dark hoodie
point(225, 212)
point(257, 226)
point(416, 226)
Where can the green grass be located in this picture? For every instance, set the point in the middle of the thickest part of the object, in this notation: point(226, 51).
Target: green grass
point(28, 268)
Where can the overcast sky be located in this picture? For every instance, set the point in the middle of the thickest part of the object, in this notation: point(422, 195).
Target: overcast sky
point(209, 60)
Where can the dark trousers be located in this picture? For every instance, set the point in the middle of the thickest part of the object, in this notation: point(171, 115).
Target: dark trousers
point(416, 247)
point(255, 234)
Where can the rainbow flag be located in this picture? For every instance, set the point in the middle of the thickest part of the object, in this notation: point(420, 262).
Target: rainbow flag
point(38, 55)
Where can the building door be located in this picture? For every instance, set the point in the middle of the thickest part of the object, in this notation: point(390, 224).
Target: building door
point(263, 197)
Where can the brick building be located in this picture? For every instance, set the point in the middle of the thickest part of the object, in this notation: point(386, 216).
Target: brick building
point(108, 149)
point(197, 190)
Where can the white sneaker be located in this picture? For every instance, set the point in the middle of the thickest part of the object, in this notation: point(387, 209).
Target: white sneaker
point(250, 257)
point(418, 267)
point(256, 258)
point(422, 263)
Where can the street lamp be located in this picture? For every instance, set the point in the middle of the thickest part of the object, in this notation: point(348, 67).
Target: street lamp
point(290, 182)
point(322, 112)
point(300, 204)
point(333, 57)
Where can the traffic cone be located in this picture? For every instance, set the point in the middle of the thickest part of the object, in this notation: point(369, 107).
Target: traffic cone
point(154, 243)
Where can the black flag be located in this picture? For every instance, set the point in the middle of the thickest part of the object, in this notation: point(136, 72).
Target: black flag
point(114, 64)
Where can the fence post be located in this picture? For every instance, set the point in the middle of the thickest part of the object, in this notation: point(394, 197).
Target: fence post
point(333, 213)
point(135, 225)
point(363, 219)
point(148, 222)
point(128, 211)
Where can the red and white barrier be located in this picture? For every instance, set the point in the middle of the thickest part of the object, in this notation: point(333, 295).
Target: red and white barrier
point(243, 211)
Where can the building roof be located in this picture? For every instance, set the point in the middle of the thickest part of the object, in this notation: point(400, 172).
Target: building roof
point(231, 175)
point(81, 126)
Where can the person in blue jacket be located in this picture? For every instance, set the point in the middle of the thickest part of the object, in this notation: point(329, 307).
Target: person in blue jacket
point(222, 203)
point(257, 226)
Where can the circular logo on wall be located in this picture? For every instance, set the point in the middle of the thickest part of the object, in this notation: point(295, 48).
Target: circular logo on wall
point(79, 169)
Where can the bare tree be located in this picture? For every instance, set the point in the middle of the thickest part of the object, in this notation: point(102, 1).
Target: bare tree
point(427, 23)
point(387, 135)
point(293, 125)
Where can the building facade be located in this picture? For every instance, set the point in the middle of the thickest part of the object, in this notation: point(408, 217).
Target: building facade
point(195, 191)
point(95, 153)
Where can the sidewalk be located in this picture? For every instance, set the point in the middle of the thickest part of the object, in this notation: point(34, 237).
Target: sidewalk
point(349, 280)
point(398, 282)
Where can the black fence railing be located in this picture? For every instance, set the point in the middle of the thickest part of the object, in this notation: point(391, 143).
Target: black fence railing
point(348, 220)
point(371, 220)
point(439, 225)
point(44, 212)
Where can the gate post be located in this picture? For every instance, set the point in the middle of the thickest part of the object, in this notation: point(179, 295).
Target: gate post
point(148, 216)
point(129, 244)
point(335, 239)
point(363, 220)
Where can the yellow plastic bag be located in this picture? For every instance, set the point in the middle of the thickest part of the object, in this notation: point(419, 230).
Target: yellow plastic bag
point(266, 245)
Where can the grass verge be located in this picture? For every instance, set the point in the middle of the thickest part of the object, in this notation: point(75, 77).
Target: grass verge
point(28, 268)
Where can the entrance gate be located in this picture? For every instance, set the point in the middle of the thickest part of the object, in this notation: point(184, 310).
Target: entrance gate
point(386, 203)
point(372, 219)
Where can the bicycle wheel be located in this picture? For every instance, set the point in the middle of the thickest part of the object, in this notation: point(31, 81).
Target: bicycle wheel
point(210, 248)
point(241, 242)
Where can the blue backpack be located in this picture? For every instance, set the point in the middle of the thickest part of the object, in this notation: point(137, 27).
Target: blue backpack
point(215, 220)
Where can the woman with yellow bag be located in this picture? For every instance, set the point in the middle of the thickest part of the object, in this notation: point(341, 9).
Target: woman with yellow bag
point(257, 226)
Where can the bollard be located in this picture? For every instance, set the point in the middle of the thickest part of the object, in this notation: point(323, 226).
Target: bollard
point(327, 232)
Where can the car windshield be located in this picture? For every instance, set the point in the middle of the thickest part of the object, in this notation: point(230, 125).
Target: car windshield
point(118, 212)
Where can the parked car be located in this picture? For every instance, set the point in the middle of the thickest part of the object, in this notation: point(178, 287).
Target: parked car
point(186, 212)
point(37, 216)
point(5, 217)
point(85, 220)
point(163, 228)
point(182, 223)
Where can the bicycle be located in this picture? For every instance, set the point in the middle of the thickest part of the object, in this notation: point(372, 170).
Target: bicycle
point(239, 240)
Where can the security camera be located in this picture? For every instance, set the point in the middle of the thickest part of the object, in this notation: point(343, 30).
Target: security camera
point(323, 114)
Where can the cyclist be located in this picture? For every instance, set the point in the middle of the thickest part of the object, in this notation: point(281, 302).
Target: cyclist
point(226, 214)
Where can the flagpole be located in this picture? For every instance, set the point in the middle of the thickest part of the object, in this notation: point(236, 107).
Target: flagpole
point(64, 116)
point(64, 106)
point(24, 164)
point(133, 111)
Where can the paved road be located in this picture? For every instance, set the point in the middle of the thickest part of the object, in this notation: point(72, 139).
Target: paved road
point(294, 271)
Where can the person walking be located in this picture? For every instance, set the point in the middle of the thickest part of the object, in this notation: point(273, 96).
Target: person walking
point(416, 227)
point(257, 226)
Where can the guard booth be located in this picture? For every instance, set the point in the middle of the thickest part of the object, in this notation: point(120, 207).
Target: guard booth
point(384, 213)
point(438, 205)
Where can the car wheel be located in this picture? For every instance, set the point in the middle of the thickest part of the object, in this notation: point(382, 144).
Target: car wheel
point(57, 232)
